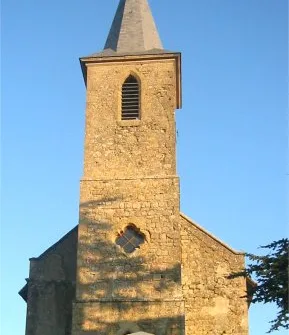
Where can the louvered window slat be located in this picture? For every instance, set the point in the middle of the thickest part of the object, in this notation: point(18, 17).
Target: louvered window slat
point(130, 109)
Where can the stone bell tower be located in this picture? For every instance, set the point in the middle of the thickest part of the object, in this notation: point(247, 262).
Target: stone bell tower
point(129, 247)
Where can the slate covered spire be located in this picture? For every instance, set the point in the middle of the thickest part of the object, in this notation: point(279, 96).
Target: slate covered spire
point(133, 29)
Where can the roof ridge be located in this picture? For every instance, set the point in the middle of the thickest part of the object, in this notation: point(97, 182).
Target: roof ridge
point(211, 235)
point(54, 245)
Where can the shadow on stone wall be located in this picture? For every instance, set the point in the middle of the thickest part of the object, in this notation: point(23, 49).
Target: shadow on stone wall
point(120, 293)
point(156, 326)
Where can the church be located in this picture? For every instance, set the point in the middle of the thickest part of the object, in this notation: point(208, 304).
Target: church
point(134, 263)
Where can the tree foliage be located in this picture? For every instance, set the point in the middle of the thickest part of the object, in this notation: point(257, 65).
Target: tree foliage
point(271, 273)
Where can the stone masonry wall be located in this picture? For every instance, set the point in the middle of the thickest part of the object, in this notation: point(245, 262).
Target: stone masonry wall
point(160, 318)
point(107, 207)
point(51, 289)
point(108, 277)
point(135, 148)
point(214, 304)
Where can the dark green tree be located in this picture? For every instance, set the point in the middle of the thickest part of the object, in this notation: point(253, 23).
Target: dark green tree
point(271, 273)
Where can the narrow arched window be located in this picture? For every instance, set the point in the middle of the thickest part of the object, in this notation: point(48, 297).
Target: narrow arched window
point(130, 99)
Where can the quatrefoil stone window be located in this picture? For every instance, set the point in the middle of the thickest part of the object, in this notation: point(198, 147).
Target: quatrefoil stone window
point(130, 239)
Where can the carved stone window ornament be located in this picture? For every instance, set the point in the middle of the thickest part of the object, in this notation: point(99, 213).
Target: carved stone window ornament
point(130, 239)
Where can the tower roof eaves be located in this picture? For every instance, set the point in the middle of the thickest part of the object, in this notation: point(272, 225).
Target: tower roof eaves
point(112, 53)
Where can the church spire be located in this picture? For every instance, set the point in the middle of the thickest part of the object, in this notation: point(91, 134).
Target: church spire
point(133, 28)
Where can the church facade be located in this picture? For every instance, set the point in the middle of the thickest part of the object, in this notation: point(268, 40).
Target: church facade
point(134, 262)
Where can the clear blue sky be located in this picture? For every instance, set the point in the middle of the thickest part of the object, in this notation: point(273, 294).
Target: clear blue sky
point(231, 131)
